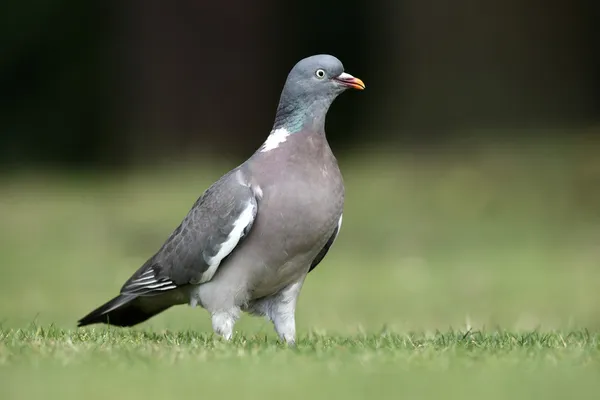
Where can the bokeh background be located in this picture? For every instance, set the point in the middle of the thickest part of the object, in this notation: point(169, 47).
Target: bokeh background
point(471, 161)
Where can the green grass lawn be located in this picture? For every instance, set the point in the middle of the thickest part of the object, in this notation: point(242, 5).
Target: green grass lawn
point(502, 242)
point(98, 364)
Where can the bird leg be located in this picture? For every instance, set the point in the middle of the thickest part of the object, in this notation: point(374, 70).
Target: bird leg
point(280, 308)
point(223, 322)
point(284, 321)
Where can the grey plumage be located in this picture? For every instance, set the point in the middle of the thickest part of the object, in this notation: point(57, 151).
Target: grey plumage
point(249, 241)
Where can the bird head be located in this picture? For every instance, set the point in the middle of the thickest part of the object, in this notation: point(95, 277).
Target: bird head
point(312, 85)
point(320, 76)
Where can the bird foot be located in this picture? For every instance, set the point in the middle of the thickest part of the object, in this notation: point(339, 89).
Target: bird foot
point(286, 329)
point(223, 323)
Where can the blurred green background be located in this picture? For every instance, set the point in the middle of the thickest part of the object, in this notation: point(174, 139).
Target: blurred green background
point(492, 236)
point(471, 160)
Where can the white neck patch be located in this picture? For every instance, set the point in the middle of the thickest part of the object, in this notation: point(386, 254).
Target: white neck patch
point(276, 137)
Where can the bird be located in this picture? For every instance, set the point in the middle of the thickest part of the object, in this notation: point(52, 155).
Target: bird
point(249, 241)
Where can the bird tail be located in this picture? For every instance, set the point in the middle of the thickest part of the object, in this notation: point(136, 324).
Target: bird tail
point(123, 310)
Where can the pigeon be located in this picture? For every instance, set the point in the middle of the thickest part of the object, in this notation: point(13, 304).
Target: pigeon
point(248, 243)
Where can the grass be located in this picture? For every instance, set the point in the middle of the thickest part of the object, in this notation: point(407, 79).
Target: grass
point(462, 274)
point(56, 363)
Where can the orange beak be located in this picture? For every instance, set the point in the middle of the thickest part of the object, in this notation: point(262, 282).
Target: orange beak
point(350, 81)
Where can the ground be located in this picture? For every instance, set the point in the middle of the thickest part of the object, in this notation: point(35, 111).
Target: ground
point(53, 363)
point(467, 274)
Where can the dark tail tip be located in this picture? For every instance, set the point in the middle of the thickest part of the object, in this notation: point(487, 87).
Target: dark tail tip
point(124, 310)
point(115, 312)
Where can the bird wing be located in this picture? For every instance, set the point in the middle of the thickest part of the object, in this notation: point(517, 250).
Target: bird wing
point(327, 246)
point(217, 223)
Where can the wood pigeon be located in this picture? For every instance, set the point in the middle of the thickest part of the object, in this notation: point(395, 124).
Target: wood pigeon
point(250, 240)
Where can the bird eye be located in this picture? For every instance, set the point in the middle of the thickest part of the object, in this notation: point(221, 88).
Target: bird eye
point(320, 74)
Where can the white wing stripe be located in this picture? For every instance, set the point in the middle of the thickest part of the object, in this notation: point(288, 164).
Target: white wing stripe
point(149, 272)
point(141, 284)
point(149, 279)
point(339, 228)
point(162, 286)
point(228, 245)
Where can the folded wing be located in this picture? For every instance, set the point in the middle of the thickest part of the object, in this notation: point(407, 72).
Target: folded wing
point(217, 223)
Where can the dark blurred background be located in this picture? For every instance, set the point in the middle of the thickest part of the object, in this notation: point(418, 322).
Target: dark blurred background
point(113, 83)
